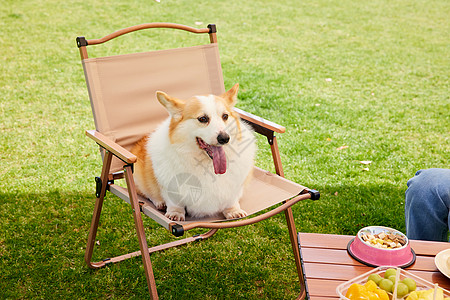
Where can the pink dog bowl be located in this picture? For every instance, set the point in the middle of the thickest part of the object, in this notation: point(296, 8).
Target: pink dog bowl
point(374, 257)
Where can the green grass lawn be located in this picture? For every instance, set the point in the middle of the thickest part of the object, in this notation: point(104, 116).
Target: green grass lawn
point(369, 75)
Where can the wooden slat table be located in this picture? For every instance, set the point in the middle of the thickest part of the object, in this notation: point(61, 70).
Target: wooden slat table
point(327, 263)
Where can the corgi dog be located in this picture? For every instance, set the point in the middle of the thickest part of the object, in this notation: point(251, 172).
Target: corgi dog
point(198, 160)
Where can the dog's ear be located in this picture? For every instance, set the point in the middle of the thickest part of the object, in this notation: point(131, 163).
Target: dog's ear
point(231, 95)
point(173, 105)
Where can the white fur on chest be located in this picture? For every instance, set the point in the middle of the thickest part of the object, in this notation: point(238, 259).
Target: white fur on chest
point(186, 175)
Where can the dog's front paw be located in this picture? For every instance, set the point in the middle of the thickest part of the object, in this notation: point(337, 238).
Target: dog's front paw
point(234, 213)
point(175, 215)
point(160, 205)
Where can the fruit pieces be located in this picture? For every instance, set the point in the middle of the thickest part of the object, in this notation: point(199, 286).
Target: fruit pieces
point(375, 282)
point(388, 282)
point(402, 290)
point(427, 295)
point(386, 285)
point(392, 278)
point(367, 291)
point(390, 272)
point(411, 284)
point(375, 278)
point(373, 287)
point(382, 294)
point(378, 287)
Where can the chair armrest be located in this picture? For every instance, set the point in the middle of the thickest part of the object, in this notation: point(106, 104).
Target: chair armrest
point(305, 194)
point(112, 147)
point(260, 121)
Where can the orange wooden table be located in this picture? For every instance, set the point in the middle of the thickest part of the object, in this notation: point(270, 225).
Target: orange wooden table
point(327, 263)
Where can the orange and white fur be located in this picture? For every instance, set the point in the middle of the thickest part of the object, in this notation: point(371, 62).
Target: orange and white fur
point(204, 138)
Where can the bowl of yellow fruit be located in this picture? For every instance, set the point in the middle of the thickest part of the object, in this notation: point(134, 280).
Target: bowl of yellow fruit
point(384, 282)
point(381, 246)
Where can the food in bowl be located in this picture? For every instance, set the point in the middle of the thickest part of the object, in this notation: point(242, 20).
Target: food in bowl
point(384, 240)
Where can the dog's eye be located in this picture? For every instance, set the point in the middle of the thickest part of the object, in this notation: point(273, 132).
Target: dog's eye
point(224, 117)
point(203, 119)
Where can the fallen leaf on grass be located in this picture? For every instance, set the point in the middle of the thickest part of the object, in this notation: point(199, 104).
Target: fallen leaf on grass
point(342, 147)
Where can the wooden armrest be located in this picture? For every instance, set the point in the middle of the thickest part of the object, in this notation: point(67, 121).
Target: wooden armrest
point(260, 121)
point(112, 147)
point(244, 222)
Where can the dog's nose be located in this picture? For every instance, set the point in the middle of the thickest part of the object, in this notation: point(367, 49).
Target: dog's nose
point(223, 138)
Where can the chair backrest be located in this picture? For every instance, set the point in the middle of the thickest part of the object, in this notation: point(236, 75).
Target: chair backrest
point(122, 88)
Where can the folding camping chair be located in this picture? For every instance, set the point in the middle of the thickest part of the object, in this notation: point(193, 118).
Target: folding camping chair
point(122, 93)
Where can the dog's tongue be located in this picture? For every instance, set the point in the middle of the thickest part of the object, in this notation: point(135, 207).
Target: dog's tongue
point(219, 160)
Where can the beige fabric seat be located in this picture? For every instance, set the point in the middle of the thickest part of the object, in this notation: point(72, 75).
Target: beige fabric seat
point(122, 93)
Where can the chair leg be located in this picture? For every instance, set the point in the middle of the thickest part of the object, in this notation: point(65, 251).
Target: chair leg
point(290, 222)
point(139, 229)
point(97, 211)
point(294, 242)
point(145, 251)
point(141, 233)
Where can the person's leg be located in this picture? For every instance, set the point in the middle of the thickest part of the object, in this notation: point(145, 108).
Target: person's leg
point(427, 205)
